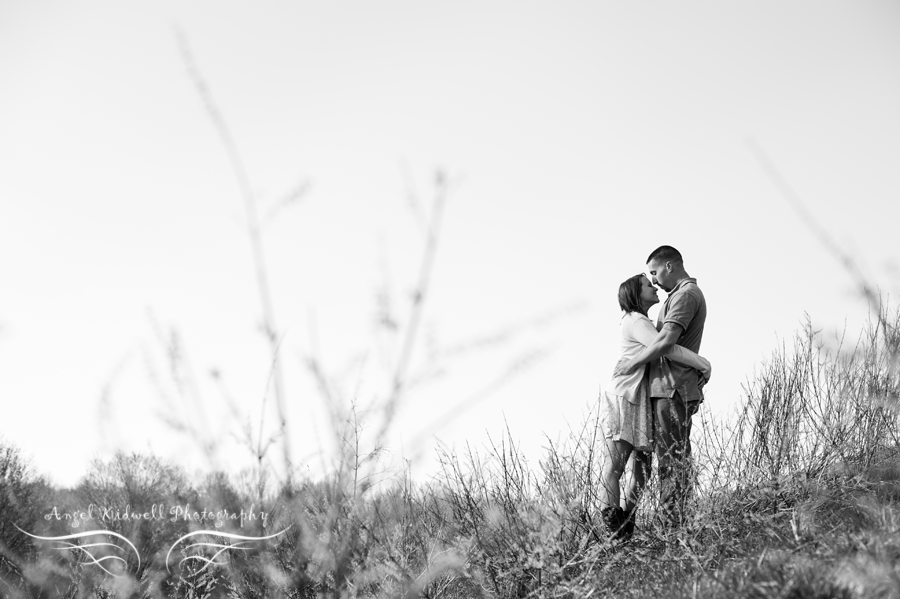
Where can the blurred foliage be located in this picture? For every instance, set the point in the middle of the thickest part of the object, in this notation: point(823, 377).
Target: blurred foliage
point(797, 495)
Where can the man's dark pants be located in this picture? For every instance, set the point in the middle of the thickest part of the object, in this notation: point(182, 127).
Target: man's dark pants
point(673, 453)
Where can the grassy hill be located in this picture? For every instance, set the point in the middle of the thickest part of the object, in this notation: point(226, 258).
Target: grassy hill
point(796, 495)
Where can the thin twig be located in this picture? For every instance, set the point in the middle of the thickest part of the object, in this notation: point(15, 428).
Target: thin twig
point(418, 305)
point(825, 238)
point(253, 228)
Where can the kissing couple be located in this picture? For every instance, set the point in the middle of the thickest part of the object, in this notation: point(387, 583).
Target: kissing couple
point(656, 388)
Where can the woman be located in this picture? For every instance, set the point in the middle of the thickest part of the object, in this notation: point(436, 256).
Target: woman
point(625, 407)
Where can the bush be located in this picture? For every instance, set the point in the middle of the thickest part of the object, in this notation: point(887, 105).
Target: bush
point(21, 495)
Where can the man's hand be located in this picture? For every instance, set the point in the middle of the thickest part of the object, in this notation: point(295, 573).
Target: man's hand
point(624, 367)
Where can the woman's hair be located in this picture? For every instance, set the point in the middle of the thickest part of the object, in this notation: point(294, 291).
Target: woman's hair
point(630, 295)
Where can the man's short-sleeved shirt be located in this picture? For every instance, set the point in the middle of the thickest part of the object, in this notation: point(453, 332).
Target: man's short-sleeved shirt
point(685, 306)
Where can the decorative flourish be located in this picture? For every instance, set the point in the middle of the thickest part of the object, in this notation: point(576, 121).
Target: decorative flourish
point(67, 545)
point(219, 547)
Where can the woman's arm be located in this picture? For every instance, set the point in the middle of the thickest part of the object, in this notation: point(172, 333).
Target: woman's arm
point(645, 334)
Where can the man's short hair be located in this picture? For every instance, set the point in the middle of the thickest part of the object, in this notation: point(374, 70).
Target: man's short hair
point(665, 253)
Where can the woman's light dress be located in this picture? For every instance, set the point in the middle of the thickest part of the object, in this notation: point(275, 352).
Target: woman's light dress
point(625, 404)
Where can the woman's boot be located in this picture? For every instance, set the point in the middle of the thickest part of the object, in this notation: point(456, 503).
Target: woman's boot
point(614, 519)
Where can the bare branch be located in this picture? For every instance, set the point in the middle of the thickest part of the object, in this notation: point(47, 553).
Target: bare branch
point(292, 197)
point(418, 304)
point(253, 228)
point(825, 238)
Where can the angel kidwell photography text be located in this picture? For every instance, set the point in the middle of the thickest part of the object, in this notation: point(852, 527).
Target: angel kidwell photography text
point(158, 511)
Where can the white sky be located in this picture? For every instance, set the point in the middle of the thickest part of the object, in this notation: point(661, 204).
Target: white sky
point(584, 134)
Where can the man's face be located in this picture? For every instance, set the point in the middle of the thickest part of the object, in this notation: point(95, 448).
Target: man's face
point(660, 274)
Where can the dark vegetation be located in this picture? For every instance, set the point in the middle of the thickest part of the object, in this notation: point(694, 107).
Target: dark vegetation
point(798, 495)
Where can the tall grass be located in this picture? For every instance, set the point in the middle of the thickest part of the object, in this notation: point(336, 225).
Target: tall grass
point(817, 408)
point(797, 494)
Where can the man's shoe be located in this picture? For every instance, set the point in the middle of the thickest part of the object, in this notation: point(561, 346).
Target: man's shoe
point(628, 518)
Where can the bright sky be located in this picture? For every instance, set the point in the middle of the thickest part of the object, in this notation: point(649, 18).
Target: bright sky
point(582, 136)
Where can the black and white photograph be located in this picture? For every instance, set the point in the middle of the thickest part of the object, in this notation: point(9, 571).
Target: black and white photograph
point(449, 300)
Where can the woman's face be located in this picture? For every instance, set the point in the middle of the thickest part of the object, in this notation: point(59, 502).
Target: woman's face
point(649, 293)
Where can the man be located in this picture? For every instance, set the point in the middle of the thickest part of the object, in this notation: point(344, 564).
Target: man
point(675, 390)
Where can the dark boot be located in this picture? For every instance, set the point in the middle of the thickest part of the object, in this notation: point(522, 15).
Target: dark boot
point(614, 519)
point(628, 518)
